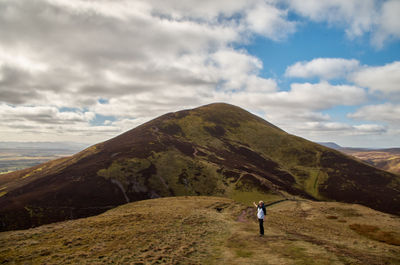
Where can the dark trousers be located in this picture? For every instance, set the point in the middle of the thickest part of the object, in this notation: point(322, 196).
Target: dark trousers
point(261, 222)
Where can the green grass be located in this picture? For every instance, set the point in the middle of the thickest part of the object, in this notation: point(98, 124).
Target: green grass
point(124, 170)
point(298, 254)
point(244, 253)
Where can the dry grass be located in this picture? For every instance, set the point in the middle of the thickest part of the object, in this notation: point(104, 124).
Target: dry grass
point(172, 230)
point(190, 230)
point(331, 217)
point(373, 232)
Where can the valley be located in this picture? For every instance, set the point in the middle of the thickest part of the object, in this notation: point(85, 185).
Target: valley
point(386, 159)
point(21, 155)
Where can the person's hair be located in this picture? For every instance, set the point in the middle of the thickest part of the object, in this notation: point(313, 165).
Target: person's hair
point(261, 202)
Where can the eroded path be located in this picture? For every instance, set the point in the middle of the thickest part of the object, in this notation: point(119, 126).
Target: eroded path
point(303, 232)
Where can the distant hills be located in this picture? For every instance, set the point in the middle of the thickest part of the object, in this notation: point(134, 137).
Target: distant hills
point(384, 158)
point(330, 145)
point(43, 145)
point(217, 149)
point(20, 155)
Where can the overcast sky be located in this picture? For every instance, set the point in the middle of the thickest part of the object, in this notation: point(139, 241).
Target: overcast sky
point(86, 71)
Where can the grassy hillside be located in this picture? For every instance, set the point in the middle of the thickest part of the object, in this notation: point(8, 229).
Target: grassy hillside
point(218, 149)
point(211, 230)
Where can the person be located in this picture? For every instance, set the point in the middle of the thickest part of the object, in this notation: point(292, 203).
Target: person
point(261, 212)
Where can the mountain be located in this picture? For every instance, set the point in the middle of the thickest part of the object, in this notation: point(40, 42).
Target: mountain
point(217, 149)
point(211, 230)
point(331, 145)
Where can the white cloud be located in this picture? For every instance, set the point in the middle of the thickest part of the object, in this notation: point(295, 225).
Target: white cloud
point(387, 112)
point(331, 130)
point(358, 17)
point(206, 10)
point(22, 60)
point(370, 128)
point(269, 21)
point(237, 70)
point(146, 58)
point(128, 124)
point(389, 23)
point(299, 108)
point(303, 97)
point(323, 68)
point(116, 9)
point(43, 115)
point(45, 123)
point(319, 96)
point(384, 79)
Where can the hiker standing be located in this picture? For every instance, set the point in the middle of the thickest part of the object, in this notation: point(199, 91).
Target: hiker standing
point(261, 212)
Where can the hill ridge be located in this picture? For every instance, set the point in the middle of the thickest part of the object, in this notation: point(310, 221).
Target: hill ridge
point(217, 149)
point(211, 230)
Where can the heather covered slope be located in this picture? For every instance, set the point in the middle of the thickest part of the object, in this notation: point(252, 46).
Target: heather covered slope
point(218, 149)
point(212, 230)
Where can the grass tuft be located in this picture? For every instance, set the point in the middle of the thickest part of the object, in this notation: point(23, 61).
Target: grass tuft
point(374, 232)
point(331, 217)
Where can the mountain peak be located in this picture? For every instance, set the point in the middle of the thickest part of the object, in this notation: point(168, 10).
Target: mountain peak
point(217, 149)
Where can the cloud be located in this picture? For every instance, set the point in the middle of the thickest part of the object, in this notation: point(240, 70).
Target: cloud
point(323, 68)
point(269, 21)
point(378, 18)
point(65, 63)
point(237, 70)
point(292, 109)
point(302, 103)
point(389, 23)
point(370, 128)
point(384, 79)
point(386, 112)
point(84, 42)
point(14, 85)
point(319, 96)
point(126, 52)
point(45, 123)
point(331, 128)
point(204, 11)
point(356, 15)
point(43, 115)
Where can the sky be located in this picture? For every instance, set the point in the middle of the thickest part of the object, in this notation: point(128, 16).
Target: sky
point(86, 71)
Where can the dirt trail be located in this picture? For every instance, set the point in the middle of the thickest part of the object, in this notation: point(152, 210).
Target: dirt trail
point(208, 230)
point(306, 232)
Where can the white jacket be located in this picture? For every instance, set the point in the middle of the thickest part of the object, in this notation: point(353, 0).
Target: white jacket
point(260, 213)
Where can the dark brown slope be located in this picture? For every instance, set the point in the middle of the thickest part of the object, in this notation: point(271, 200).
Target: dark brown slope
point(218, 149)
